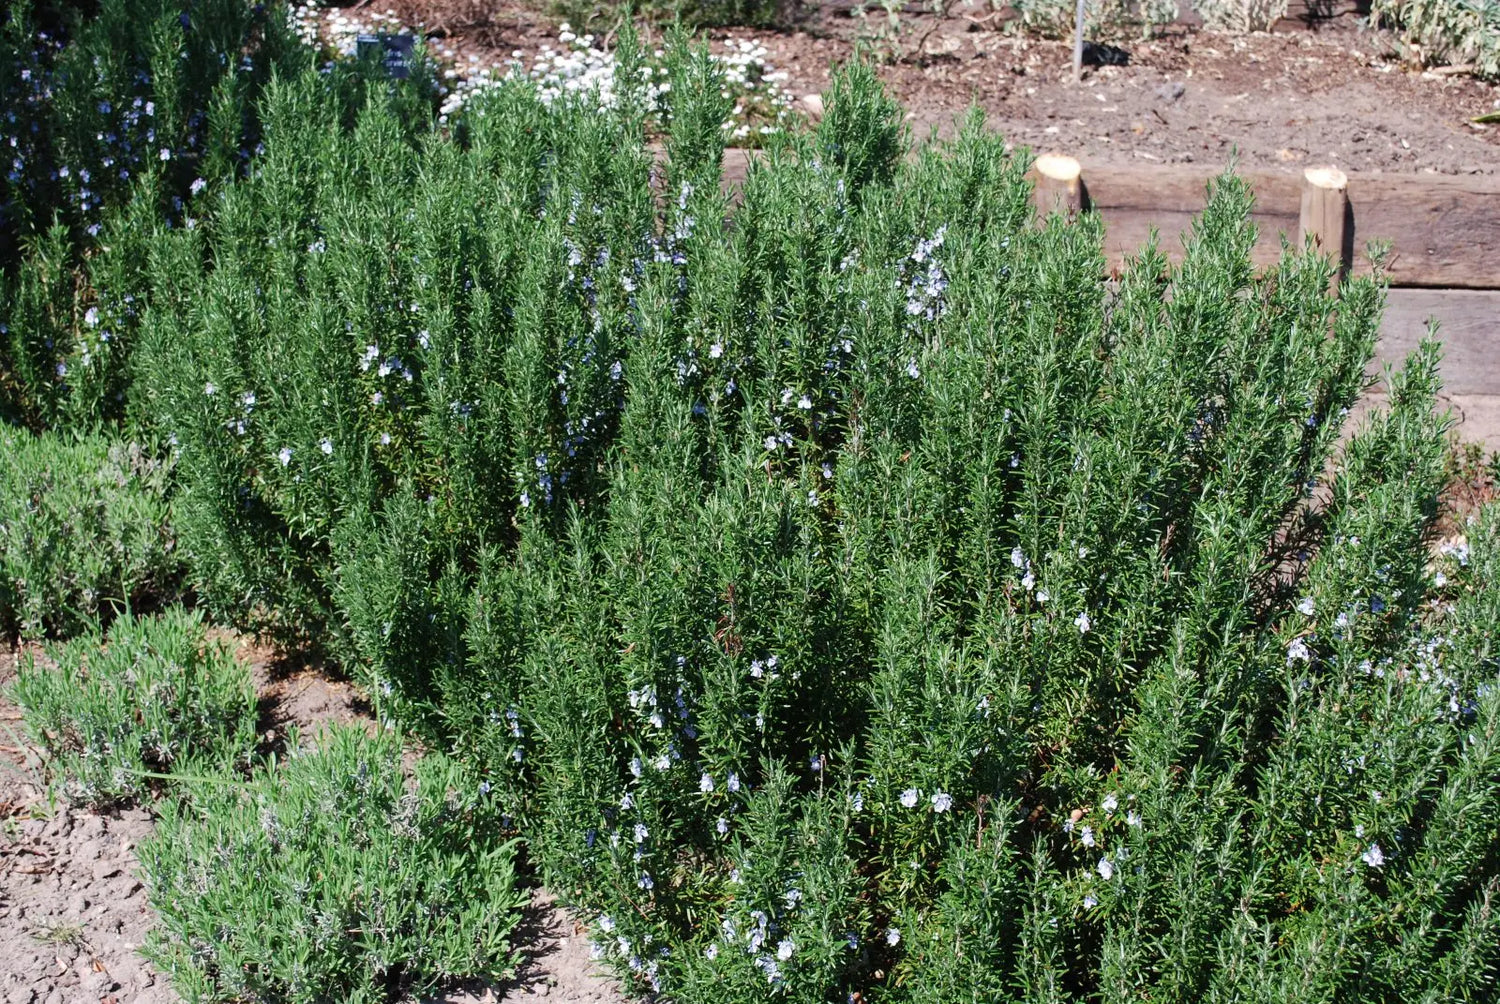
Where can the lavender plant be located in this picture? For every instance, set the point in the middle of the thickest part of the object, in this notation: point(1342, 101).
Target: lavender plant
point(332, 875)
point(85, 532)
point(844, 589)
point(118, 714)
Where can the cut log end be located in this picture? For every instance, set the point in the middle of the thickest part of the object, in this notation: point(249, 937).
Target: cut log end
point(1327, 178)
point(1058, 167)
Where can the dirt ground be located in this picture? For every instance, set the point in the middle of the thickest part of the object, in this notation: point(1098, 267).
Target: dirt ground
point(1336, 94)
point(73, 910)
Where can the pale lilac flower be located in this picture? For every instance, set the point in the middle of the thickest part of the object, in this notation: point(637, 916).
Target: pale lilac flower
point(209, 390)
point(641, 833)
point(893, 936)
point(941, 801)
point(1017, 558)
point(606, 923)
point(909, 798)
point(1110, 803)
point(1086, 835)
point(706, 783)
point(722, 826)
point(165, 154)
point(734, 782)
point(285, 455)
point(91, 316)
point(326, 446)
point(785, 949)
point(1305, 606)
point(197, 186)
point(1374, 857)
point(1082, 622)
point(1298, 651)
point(1106, 869)
point(912, 370)
point(715, 350)
point(712, 951)
point(1089, 902)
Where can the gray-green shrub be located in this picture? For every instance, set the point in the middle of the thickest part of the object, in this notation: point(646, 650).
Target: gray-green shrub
point(1446, 32)
point(332, 875)
point(155, 696)
point(846, 589)
point(85, 531)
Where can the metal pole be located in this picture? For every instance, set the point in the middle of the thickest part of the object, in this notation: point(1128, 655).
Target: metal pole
point(1078, 45)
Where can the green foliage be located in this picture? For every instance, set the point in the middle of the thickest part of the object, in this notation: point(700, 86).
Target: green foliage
point(84, 531)
point(1240, 16)
point(96, 100)
point(1105, 19)
point(332, 875)
point(846, 590)
point(153, 696)
point(692, 13)
point(863, 132)
point(1446, 32)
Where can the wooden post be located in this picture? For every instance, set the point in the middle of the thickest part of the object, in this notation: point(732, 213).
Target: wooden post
point(1325, 210)
point(1058, 185)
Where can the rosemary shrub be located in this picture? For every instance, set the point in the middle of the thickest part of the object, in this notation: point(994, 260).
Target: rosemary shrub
point(845, 590)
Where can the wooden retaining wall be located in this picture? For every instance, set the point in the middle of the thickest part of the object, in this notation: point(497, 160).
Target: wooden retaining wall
point(1443, 263)
point(1444, 231)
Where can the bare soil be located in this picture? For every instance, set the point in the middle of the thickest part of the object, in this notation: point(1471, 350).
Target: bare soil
point(73, 911)
point(1337, 94)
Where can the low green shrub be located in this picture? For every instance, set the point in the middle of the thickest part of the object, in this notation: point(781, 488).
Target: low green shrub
point(695, 13)
point(85, 531)
point(1240, 16)
point(152, 697)
point(1446, 32)
point(333, 875)
point(1104, 20)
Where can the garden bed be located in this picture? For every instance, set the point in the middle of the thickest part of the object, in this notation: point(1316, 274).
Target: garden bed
point(1333, 93)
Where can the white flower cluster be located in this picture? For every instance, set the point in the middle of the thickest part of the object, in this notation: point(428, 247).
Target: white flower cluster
point(338, 28)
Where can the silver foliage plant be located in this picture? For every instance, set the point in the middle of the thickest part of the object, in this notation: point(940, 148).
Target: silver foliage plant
point(1446, 32)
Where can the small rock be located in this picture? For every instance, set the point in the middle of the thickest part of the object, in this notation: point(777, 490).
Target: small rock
point(107, 869)
point(1171, 90)
point(813, 104)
